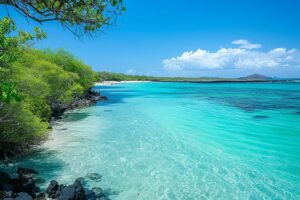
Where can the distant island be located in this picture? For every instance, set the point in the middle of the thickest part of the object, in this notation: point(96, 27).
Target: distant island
point(110, 76)
point(256, 77)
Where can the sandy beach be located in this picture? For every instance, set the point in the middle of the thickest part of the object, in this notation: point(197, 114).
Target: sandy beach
point(117, 82)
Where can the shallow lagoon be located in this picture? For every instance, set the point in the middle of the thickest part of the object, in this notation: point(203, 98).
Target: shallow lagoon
point(181, 141)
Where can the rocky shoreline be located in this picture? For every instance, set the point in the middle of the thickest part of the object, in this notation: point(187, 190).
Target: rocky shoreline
point(91, 97)
point(24, 187)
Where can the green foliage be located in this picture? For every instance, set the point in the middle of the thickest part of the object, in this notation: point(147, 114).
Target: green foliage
point(10, 45)
point(80, 17)
point(42, 80)
point(8, 93)
point(86, 76)
point(109, 76)
point(31, 81)
point(19, 128)
point(10, 49)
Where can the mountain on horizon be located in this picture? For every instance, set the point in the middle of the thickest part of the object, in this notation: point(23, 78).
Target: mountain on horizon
point(256, 77)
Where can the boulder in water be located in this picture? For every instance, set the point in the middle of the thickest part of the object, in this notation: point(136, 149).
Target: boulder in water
point(98, 191)
point(6, 187)
point(27, 186)
point(81, 180)
point(23, 188)
point(5, 182)
point(23, 196)
point(94, 176)
point(4, 178)
point(90, 195)
point(67, 193)
point(73, 192)
point(79, 191)
point(52, 189)
point(41, 196)
point(26, 173)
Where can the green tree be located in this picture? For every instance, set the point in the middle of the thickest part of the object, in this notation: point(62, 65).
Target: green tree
point(80, 17)
point(10, 47)
point(19, 129)
point(43, 78)
point(37, 78)
point(68, 62)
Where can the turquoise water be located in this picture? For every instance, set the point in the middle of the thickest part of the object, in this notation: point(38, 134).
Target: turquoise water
point(181, 141)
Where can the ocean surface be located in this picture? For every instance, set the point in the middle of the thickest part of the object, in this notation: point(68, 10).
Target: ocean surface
point(184, 141)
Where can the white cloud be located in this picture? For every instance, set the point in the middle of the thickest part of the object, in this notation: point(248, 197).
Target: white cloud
point(233, 58)
point(245, 44)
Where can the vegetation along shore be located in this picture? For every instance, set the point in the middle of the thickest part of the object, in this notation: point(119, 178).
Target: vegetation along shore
point(111, 78)
point(172, 139)
point(37, 86)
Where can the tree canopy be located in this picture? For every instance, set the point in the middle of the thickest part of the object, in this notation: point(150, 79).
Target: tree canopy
point(31, 81)
point(78, 16)
point(42, 78)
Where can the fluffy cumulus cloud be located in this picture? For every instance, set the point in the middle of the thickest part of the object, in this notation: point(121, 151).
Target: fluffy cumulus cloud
point(245, 55)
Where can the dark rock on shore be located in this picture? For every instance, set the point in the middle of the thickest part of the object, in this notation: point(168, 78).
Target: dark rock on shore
point(23, 188)
point(98, 191)
point(4, 178)
point(41, 196)
point(24, 185)
point(58, 109)
point(89, 98)
point(26, 173)
point(23, 196)
point(74, 191)
point(52, 189)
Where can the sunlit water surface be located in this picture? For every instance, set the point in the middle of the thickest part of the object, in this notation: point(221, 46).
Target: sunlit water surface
point(180, 141)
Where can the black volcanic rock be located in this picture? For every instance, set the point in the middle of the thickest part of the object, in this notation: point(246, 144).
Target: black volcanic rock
point(94, 176)
point(89, 98)
point(4, 178)
point(25, 185)
point(73, 192)
point(23, 196)
point(26, 173)
point(52, 188)
point(23, 188)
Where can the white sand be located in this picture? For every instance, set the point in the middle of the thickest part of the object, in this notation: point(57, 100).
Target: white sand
point(117, 82)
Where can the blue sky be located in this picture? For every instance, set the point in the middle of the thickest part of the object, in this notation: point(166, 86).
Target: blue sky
point(222, 38)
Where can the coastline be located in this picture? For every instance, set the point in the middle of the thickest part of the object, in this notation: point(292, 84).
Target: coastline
point(26, 185)
point(108, 166)
point(117, 82)
point(107, 83)
point(89, 98)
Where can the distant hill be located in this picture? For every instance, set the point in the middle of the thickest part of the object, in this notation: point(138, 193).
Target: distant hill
point(256, 77)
